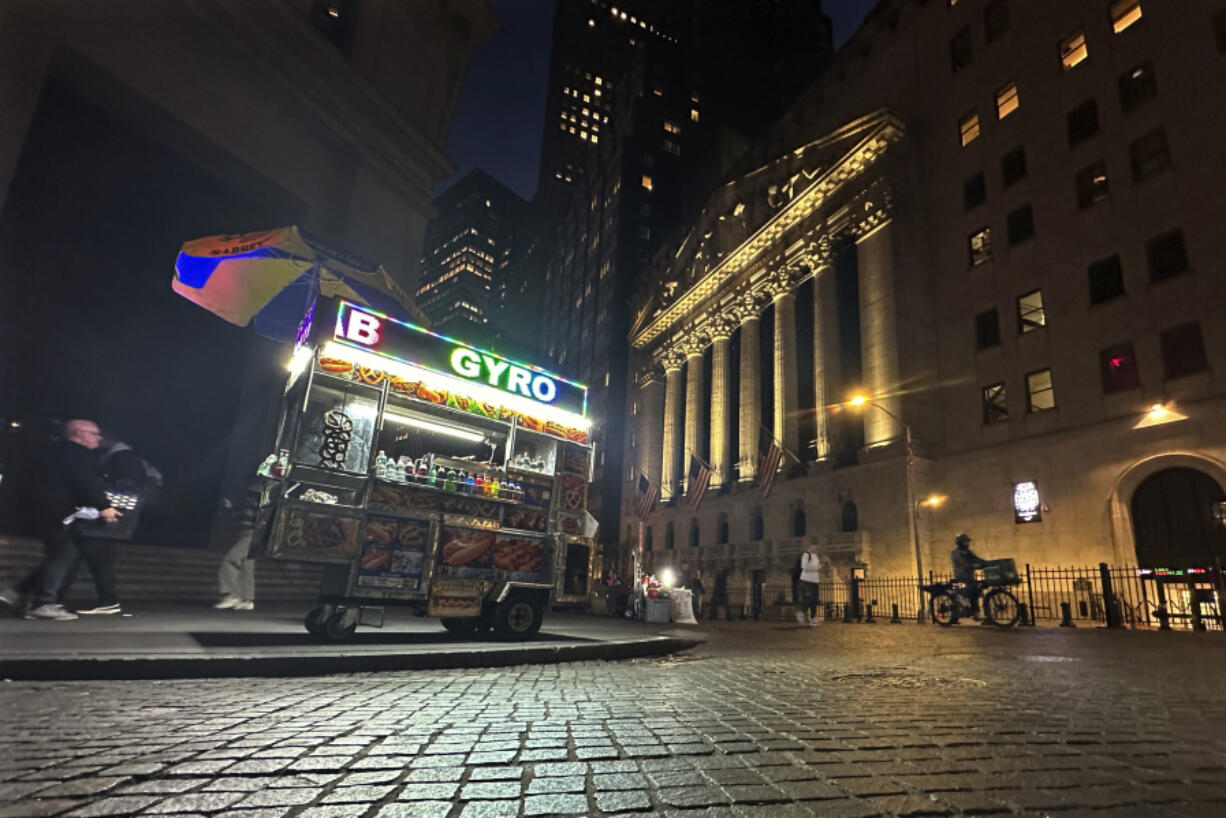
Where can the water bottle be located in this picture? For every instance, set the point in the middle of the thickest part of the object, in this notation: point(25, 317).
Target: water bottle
point(381, 464)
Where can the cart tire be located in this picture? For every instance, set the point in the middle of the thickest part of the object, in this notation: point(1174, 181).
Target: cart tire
point(518, 618)
point(460, 627)
point(336, 630)
point(315, 622)
point(1001, 608)
point(944, 608)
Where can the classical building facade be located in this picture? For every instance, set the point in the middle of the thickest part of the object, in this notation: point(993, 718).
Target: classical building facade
point(1000, 226)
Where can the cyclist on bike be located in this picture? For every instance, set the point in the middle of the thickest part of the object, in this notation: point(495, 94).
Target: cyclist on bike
point(965, 562)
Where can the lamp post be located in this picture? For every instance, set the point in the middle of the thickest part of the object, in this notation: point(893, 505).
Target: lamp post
point(912, 505)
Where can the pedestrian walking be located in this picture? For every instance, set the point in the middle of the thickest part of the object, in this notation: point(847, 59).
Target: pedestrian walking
point(810, 577)
point(697, 589)
point(69, 480)
point(236, 574)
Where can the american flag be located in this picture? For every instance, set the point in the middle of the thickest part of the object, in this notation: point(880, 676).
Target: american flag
point(700, 478)
point(767, 468)
point(646, 498)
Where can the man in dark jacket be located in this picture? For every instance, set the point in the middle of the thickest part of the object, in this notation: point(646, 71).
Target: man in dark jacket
point(965, 562)
point(69, 480)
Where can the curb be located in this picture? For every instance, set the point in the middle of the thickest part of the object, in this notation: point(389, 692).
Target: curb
point(206, 667)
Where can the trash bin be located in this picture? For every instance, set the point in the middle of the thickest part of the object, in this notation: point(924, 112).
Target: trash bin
point(658, 610)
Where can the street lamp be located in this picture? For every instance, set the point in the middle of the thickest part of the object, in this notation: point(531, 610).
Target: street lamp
point(857, 401)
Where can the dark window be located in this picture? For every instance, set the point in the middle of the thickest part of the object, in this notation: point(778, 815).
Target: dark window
point(1040, 393)
point(1019, 224)
point(980, 246)
point(1013, 166)
point(996, 19)
point(1167, 256)
point(1091, 184)
point(1119, 367)
point(1137, 85)
point(850, 517)
point(693, 534)
point(1149, 155)
point(960, 50)
point(647, 539)
point(974, 191)
point(335, 19)
point(798, 522)
point(1183, 350)
point(1219, 30)
point(987, 329)
point(995, 404)
point(1106, 279)
point(1082, 122)
point(1030, 313)
point(668, 536)
point(721, 530)
point(756, 527)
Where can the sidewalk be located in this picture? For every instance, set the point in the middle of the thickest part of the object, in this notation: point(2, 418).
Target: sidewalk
point(177, 641)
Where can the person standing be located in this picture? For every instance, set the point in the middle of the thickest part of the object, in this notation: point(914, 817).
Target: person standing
point(236, 574)
point(698, 590)
point(810, 577)
point(69, 480)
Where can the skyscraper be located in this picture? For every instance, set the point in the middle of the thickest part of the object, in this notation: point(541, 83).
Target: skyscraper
point(647, 104)
point(467, 256)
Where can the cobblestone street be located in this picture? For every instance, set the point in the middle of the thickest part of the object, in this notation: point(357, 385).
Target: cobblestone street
point(765, 719)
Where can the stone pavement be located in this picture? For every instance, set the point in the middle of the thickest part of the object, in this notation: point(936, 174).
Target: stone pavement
point(764, 719)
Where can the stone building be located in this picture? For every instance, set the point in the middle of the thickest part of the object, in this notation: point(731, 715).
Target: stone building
point(133, 126)
point(999, 223)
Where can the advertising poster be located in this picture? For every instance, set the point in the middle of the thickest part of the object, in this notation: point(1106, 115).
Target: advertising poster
point(465, 552)
point(455, 598)
point(393, 553)
point(519, 558)
point(317, 536)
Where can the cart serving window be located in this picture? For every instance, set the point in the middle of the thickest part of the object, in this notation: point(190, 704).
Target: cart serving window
point(427, 472)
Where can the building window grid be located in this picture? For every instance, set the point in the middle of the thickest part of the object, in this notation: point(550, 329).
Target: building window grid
point(1031, 315)
point(1124, 13)
point(968, 128)
point(995, 404)
point(1007, 100)
point(980, 246)
point(1040, 391)
point(1073, 50)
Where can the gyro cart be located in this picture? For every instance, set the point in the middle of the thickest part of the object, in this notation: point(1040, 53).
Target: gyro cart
point(427, 473)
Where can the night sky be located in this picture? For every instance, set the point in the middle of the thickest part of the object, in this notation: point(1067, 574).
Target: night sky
point(501, 111)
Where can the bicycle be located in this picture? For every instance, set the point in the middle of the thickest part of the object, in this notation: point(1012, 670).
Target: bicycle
point(948, 601)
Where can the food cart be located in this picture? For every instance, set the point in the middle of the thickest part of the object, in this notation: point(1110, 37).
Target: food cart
point(425, 472)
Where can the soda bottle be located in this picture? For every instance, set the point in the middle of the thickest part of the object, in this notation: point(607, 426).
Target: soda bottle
point(495, 490)
point(434, 475)
point(479, 484)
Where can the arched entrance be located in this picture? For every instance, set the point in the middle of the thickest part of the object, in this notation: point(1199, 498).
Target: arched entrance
point(1173, 522)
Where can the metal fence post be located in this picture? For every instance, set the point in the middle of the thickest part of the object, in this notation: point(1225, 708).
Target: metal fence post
point(1030, 593)
point(1066, 615)
point(1110, 604)
point(868, 613)
point(1164, 616)
point(894, 620)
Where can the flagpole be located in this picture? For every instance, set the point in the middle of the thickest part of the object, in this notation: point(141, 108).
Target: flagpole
point(779, 443)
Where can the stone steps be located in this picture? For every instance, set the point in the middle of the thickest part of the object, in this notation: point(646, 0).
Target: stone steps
point(160, 573)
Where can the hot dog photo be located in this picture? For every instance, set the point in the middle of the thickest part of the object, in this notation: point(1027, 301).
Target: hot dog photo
point(465, 552)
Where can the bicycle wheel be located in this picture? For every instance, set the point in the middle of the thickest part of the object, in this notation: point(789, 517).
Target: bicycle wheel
point(944, 610)
point(1000, 607)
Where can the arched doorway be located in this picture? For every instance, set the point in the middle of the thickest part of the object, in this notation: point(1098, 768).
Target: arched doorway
point(1172, 519)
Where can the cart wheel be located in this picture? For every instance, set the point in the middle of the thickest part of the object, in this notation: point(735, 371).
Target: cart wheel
point(518, 618)
point(1000, 606)
point(460, 627)
point(315, 621)
point(944, 610)
point(336, 629)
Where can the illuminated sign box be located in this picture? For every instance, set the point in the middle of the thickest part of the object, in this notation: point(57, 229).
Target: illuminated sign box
point(1027, 507)
point(365, 329)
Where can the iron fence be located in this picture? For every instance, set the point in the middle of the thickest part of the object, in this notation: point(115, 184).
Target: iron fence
point(1111, 596)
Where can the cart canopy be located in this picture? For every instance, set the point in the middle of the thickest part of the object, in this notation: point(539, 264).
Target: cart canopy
point(274, 276)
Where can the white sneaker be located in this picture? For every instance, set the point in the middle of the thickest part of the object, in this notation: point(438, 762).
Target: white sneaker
point(101, 610)
point(801, 618)
point(11, 597)
point(813, 623)
point(243, 605)
point(50, 611)
point(227, 602)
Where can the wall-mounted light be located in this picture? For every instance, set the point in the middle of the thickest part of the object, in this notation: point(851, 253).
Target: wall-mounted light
point(1027, 507)
point(1159, 414)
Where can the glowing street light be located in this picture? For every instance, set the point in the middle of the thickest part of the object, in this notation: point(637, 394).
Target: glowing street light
point(934, 500)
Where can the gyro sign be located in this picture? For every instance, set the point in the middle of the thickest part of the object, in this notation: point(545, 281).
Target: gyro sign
point(429, 350)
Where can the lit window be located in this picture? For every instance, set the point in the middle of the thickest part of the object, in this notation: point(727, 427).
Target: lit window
point(671, 128)
point(600, 80)
point(1073, 49)
point(1040, 393)
point(596, 92)
point(1118, 365)
point(606, 380)
point(968, 127)
point(1007, 101)
point(646, 182)
point(981, 246)
point(594, 139)
point(693, 115)
point(995, 404)
point(1091, 185)
point(591, 23)
point(1030, 313)
point(1124, 13)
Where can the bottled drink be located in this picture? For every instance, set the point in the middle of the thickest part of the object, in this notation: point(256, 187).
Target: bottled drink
point(381, 464)
point(471, 484)
point(434, 475)
point(479, 484)
point(497, 487)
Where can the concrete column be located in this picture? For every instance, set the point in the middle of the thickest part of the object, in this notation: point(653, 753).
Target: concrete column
point(825, 339)
point(787, 426)
point(750, 398)
point(878, 336)
point(650, 428)
point(695, 412)
point(721, 409)
point(671, 437)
